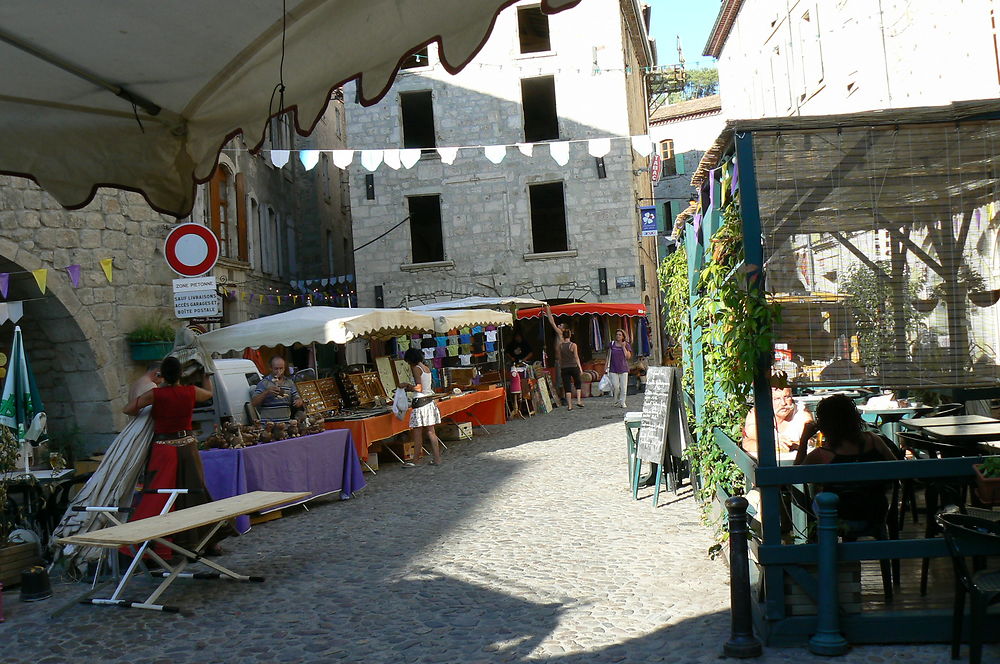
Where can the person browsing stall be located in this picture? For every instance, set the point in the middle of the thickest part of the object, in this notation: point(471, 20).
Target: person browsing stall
point(619, 354)
point(425, 413)
point(276, 389)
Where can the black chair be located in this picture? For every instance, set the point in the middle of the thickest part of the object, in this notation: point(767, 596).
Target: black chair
point(965, 535)
point(945, 410)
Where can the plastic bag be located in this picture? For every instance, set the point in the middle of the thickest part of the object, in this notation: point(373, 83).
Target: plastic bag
point(400, 403)
point(605, 384)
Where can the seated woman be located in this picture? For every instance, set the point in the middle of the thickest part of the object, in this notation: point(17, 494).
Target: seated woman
point(789, 420)
point(862, 504)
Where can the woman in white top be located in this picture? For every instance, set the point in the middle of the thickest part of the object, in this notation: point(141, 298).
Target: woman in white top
point(425, 413)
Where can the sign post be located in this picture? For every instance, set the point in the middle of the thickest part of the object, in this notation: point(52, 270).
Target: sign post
point(196, 298)
point(191, 249)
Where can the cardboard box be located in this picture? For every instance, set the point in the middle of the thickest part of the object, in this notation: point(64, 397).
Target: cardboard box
point(372, 462)
point(457, 431)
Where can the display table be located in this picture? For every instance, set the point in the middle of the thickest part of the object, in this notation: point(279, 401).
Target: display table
point(318, 464)
point(482, 407)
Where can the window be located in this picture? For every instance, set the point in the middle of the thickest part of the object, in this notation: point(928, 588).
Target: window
point(417, 109)
point(533, 30)
point(291, 266)
point(326, 177)
point(425, 228)
point(227, 212)
point(548, 217)
point(669, 164)
point(419, 59)
point(329, 252)
point(268, 247)
point(254, 244)
point(538, 103)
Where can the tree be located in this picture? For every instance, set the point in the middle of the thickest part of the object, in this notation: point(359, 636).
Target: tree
point(700, 83)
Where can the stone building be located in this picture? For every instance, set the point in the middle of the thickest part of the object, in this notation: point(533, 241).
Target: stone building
point(276, 225)
point(526, 225)
point(807, 57)
point(682, 132)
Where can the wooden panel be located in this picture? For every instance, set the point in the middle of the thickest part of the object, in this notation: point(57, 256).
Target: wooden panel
point(241, 217)
point(136, 532)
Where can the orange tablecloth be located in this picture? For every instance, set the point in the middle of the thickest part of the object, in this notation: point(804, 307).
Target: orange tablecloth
point(484, 407)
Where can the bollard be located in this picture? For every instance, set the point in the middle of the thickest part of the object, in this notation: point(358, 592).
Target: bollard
point(742, 643)
point(827, 640)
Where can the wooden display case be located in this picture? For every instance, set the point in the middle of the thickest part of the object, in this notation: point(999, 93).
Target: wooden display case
point(320, 395)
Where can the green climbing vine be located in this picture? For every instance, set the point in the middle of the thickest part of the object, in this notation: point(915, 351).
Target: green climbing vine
point(673, 276)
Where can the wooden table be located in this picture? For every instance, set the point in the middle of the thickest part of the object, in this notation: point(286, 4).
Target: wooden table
point(951, 420)
point(144, 532)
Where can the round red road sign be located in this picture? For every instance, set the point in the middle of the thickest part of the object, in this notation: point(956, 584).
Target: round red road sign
point(191, 250)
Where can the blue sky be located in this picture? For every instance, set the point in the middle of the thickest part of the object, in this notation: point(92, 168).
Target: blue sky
point(692, 20)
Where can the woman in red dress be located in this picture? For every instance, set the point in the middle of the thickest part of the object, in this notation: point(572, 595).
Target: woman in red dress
point(173, 461)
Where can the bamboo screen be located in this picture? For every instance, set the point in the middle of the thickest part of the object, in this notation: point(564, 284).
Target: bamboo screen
point(883, 245)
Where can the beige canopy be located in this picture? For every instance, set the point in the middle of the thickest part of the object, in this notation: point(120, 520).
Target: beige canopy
point(481, 303)
point(315, 325)
point(141, 95)
point(449, 319)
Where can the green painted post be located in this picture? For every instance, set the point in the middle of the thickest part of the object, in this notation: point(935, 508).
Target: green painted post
point(827, 640)
point(742, 643)
point(696, 261)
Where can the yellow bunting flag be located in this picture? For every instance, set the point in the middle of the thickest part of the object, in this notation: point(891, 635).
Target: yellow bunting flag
point(295, 299)
point(260, 299)
point(279, 299)
point(106, 266)
point(41, 277)
point(244, 297)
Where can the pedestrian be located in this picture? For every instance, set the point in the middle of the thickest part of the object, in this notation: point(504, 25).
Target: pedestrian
point(559, 328)
point(619, 354)
point(425, 413)
point(570, 369)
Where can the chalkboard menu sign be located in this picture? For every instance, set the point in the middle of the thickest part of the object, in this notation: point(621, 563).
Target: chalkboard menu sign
point(664, 416)
point(656, 407)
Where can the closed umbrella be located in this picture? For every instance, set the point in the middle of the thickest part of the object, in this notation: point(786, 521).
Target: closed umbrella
point(21, 401)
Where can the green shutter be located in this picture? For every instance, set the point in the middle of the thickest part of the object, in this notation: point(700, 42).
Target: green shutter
point(662, 221)
point(679, 161)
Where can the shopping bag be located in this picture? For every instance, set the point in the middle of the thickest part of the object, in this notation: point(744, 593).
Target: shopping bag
point(400, 403)
point(605, 384)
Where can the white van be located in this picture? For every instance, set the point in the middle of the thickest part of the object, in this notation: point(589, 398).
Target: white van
point(232, 385)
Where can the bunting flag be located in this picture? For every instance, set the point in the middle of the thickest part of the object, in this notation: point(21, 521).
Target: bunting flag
point(11, 311)
point(41, 277)
point(448, 155)
point(4, 284)
point(409, 157)
point(526, 148)
point(495, 153)
point(74, 275)
point(391, 159)
point(309, 159)
point(560, 152)
point(371, 159)
point(599, 147)
point(342, 158)
point(280, 157)
point(106, 264)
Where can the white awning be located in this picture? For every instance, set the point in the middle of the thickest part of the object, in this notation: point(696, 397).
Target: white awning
point(451, 319)
point(141, 95)
point(315, 325)
point(481, 303)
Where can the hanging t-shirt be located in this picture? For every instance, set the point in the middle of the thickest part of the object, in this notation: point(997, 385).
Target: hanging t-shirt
point(491, 336)
point(428, 353)
point(466, 359)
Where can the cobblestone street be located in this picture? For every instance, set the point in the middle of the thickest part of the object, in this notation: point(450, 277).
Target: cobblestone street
point(523, 546)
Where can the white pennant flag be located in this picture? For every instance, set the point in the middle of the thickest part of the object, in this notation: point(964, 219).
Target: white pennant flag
point(3, 313)
point(370, 159)
point(495, 153)
point(598, 147)
point(526, 148)
point(448, 154)
point(309, 159)
point(409, 157)
point(325, 282)
point(342, 158)
point(643, 145)
point(280, 157)
point(14, 311)
point(560, 152)
point(391, 159)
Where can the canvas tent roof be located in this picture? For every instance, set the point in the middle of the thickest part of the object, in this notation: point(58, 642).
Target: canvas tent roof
point(315, 325)
point(481, 303)
point(449, 319)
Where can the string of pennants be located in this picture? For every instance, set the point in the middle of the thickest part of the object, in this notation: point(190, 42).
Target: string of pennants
point(334, 291)
point(41, 276)
point(396, 158)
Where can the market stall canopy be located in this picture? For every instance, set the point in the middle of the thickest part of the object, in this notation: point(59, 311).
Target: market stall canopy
point(450, 319)
point(481, 303)
point(142, 95)
point(315, 325)
point(588, 308)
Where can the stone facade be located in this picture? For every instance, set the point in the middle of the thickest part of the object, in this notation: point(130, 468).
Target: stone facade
point(76, 337)
point(485, 208)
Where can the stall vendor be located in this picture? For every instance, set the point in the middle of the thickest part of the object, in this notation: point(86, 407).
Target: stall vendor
point(276, 389)
point(520, 351)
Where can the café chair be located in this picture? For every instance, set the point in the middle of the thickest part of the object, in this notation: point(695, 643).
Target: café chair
point(966, 537)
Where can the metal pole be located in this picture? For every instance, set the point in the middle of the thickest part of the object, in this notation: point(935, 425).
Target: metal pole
point(827, 640)
point(742, 643)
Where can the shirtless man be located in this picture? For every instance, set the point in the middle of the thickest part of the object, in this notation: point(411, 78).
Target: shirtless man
point(789, 420)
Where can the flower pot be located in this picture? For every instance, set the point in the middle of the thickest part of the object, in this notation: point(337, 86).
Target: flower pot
point(14, 558)
point(148, 351)
point(985, 298)
point(988, 488)
point(925, 306)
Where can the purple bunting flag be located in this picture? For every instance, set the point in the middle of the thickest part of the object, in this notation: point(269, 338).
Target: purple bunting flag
point(74, 275)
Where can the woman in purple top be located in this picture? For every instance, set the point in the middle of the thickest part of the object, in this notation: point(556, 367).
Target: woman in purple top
point(619, 354)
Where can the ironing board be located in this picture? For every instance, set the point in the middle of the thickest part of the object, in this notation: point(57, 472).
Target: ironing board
point(156, 529)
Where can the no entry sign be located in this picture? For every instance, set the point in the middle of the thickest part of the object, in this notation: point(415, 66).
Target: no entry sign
point(191, 250)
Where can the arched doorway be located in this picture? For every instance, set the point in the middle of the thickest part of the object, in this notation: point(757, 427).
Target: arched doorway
point(71, 361)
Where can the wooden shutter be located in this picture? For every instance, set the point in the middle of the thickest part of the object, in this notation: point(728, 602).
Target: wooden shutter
point(679, 160)
point(214, 200)
point(241, 218)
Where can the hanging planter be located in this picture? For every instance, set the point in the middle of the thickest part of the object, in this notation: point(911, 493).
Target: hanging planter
point(985, 298)
point(925, 306)
point(152, 340)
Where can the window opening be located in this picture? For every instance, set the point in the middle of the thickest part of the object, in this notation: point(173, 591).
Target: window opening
point(417, 109)
point(548, 217)
point(533, 30)
point(538, 102)
point(426, 239)
point(419, 59)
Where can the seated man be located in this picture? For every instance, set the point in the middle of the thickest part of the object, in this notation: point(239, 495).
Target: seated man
point(789, 420)
point(276, 390)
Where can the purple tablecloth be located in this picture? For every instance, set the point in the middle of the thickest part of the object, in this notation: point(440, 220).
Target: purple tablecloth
point(320, 464)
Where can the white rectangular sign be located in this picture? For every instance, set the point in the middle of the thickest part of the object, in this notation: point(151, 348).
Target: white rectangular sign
point(197, 304)
point(195, 284)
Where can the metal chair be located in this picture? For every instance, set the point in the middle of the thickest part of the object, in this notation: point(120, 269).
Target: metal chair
point(968, 536)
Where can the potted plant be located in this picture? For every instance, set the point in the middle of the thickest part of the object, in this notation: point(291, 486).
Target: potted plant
point(13, 557)
point(988, 480)
point(152, 340)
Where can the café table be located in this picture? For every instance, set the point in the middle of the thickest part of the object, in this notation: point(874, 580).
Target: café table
point(963, 433)
point(889, 419)
point(950, 420)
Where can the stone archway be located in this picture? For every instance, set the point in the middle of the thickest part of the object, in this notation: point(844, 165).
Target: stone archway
point(70, 358)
